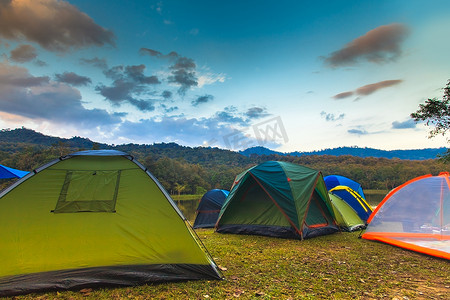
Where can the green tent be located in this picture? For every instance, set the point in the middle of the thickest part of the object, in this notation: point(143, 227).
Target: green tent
point(278, 199)
point(94, 218)
point(346, 217)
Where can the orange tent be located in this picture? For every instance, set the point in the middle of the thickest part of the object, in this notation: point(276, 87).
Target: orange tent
point(415, 216)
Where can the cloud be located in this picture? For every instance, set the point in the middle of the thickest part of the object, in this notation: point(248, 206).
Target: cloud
point(187, 131)
point(142, 105)
point(136, 73)
point(40, 63)
point(39, 99)
point(96, 62)
point(54, 25)
point(13, 78)
point(256, 112)
point(379, 45)
point(183, 74)
point(209, 78)
point(371, 88)
point(129, 82)
point(202, 99)
point(368, 89)
point(155, 53)
point(329, 117)
point(343, 95)
point(151, 52)
point(183, 71)
point(23, 53)
point(167, 109)
point(357, 131)
point(410, 123)
point(229, 116)
point(72, 79)
point(166, 94)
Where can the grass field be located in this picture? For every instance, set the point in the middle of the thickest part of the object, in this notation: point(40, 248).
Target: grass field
point(337, 266)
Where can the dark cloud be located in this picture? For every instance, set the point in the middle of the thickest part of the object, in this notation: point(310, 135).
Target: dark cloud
point(410, 123)
point(256, 112)
point(40, 63)
point(371, 88)
point(379, 45)
point(228, 117)
point(54, 25)
point(118, 92)
point(116, 72)
point(232, 116)
point(151, 52)
point(343, 95)
point(183, 74)
point(23, 53)
point(166, 94)
point(129, 83)
point(358, 131)
point(167, 109)
point(182, 71)
point(184, 63)
point(368, 89)
point(231, 109)
point(73, 79)
point(202, 100)
point(96, 62)
point(39, 99)
point(137, 74)
point(329, 117)
point(142, 105)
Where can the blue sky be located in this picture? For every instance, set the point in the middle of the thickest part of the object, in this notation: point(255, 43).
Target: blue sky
point(288, 75)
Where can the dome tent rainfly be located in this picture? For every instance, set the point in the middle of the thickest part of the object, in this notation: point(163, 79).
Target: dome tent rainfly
point(332, 181)
point(346, 218)
point(94, 218)
point(351, 192)
point(209, 207)
point(6, 172)
point(278, 199)
point(415, 216)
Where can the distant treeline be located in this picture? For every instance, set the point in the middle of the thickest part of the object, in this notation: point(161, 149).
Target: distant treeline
point(186, 170)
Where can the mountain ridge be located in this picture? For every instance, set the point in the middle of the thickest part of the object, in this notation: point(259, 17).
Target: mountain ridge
point(28, 136)
point(411, 154)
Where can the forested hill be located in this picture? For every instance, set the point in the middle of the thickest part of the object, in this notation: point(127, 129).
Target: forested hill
point(183, 169)
point(417, 154)
point(22, 137)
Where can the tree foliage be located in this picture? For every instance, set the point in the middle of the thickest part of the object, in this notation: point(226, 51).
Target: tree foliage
point(187, 170)
point(435, 113)
point(182, 172)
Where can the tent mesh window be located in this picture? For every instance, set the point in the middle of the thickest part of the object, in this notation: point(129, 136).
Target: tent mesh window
point(88, 191)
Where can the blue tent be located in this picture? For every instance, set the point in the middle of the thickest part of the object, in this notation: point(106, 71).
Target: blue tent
point(6, 172)
point(333, 181)
point(351, 192)
point(209, 207)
